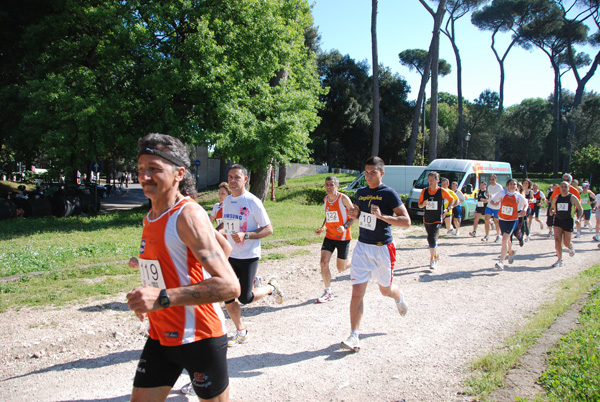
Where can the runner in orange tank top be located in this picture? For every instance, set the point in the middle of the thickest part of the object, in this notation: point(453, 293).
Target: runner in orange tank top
point(184, 268)
point(337, 233)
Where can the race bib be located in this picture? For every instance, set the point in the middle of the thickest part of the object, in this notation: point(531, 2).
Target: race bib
point(432, 205)
point(151, 274)
point(507, 210)
point(231, 226)
point(562, 206)
point(585, 201)
point(480, 203)
point(332, 216)
point(367, 221)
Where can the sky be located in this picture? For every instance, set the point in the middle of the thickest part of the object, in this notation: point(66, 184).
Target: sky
point(345, 25)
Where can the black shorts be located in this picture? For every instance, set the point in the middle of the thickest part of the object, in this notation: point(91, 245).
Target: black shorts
point(205, 361)
point(535, 211)
point(245, 270)
point(342, 246)
point(564, 224)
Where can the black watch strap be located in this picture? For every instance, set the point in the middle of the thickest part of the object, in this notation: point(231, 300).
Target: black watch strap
point(163, 299)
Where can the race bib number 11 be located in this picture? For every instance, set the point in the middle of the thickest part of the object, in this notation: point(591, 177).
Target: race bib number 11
point(367, 221)
point(151, 274)
point(231, 226)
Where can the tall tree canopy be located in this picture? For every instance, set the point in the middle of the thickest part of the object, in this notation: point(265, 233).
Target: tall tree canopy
point(97, 75)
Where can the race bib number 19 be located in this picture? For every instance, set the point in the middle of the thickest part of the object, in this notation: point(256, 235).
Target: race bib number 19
point(151, 274)
point(231, 226)
point(367, 221)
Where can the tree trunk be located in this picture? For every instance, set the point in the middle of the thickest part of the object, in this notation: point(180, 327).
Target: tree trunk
point(439, 16)
point(282, 179)
point(259, 182)
point(376, 123)
point(414, 132)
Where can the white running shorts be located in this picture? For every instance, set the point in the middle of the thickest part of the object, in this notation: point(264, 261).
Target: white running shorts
point(371, 261)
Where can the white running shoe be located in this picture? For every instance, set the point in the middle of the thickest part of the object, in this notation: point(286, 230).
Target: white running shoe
point(352, 343)
point(558, 263)
point(499, 265)
point(497, 239)
point(596, 238)
point(238, 339)
point(456, 232)
point(511, 257)
point(188, 389)
point(550, 234)
point(327, 296)
point(450, 231)
point(473, 234)
point(276, 290)
point(258, 281)
point(401, 305)
point(432, 263)
point(571, 251)
point(577, 235)
point(485, 238)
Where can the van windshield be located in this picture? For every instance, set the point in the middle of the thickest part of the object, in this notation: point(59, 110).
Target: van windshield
point(450, 175)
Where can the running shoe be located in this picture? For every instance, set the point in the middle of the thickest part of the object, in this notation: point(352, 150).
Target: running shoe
point(550, 234)
point(596, 238)
point(571, 251)
point(188, 389)
point(456, 232)
point(437, 257)
point(577, 235)
point(558, 263)
point(276, 290)
point(239, 338)
point(327, 296)
point(485, 238)
point(258, 281)
point(511, 257)
point(499, 265)
point(450, 231)
point(497, 239)
point(352, 343)
point(401, 305)
point(521, 241)
point(473, 234)
point(432, 263)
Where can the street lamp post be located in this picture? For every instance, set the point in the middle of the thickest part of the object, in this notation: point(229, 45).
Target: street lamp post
point(467, 139)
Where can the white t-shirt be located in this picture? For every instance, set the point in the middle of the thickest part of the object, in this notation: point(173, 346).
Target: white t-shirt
point(491, 190)
point(245, 213)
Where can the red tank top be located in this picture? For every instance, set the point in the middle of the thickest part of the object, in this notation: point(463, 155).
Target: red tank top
point(509, 208)
point(162, 246)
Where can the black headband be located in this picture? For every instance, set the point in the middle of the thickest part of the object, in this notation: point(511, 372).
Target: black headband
point(165, 155)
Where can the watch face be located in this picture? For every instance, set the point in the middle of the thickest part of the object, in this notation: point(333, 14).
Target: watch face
point(163, 299)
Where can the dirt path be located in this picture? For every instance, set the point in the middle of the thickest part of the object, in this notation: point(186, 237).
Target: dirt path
point(463, 309)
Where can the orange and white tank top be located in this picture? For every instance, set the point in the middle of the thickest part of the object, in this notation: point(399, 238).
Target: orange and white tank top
point(509, 208)
point(167, 262)
point(336, 215)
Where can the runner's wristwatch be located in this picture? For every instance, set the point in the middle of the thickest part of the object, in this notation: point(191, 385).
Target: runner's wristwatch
point(163, 299)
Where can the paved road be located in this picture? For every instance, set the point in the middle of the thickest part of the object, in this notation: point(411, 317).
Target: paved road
point(128, 198)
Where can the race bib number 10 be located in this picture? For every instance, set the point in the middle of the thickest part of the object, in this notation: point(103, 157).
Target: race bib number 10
point(367, 221)
point(151, 274)
point(231, 226)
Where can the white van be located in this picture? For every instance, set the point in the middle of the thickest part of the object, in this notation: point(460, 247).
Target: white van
point(468, 174)
point(399, 177)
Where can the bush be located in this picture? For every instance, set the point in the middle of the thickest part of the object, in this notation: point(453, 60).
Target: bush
point(315, 195)
point(585, 164)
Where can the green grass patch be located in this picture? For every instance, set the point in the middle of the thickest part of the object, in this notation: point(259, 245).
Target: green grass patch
point(489, 371)
point(64, 286)
point(44, 256)
point(573, 372)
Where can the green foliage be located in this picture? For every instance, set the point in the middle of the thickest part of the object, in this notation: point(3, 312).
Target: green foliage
point(586, 163)
point(573, 372)
point(96, 76)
